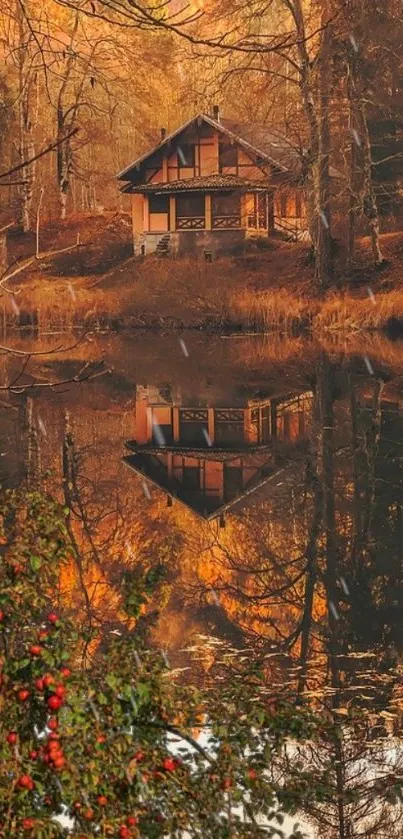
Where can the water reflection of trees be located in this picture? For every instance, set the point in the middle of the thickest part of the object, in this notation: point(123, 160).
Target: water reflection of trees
point(317, 576)
point(308, 578)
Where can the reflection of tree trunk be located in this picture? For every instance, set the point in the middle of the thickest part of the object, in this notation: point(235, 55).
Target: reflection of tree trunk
point(326, 461)
point(68, 469)
point(372, 445)
point(310, 582)
point(356, 476)
point(31, 445)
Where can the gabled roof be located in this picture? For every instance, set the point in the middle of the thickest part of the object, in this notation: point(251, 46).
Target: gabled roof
point(258, 140)
point(212, 183)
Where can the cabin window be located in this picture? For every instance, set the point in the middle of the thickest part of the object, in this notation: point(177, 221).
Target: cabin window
point(226, 204)
point(190, 205)
point(283, 205)
point(227, 156)
point(186, 156)
point(159, 203)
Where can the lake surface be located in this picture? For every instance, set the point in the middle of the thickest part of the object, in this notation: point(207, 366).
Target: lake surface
point(265, 475)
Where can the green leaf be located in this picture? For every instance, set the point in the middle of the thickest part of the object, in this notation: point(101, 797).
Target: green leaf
point(35, 562)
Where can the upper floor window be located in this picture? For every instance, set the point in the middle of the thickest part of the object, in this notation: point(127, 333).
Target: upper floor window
point(227, 156)
point(186, 156)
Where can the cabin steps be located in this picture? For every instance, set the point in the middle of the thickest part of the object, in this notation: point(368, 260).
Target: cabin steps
point(163, 246)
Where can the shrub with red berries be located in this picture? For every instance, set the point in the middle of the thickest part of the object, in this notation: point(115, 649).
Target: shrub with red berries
point(111, 744)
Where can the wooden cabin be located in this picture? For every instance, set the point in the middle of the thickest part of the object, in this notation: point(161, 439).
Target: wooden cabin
point(211, 185)
point(211, 457)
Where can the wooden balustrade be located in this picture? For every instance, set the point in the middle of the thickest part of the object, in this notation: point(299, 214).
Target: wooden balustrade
point(190, 222)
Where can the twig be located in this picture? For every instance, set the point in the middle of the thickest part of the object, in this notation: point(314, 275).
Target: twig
point(44, 151)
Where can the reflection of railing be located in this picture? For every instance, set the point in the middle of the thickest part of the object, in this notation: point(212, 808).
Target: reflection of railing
point(251, 221)
point(227, 221)
point(190, 222)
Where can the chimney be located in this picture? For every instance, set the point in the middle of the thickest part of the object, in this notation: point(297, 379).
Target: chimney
point(163, 134)
point(216, 113)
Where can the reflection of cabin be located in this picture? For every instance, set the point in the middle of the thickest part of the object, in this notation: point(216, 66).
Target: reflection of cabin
point(212, 184)
point(210, 458)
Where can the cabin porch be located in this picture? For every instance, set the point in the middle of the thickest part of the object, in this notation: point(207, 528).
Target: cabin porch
point(216, 220)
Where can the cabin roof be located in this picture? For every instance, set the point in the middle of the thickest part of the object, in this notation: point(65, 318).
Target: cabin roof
point(258, 139)
point(219, 183)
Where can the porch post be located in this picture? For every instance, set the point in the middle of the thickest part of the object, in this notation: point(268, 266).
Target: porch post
point(146, 209)
point(208, 223)
point(172, 212)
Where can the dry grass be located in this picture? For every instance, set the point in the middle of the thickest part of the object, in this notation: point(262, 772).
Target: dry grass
point(260, 292)
point(352, 313)
point(265, 311)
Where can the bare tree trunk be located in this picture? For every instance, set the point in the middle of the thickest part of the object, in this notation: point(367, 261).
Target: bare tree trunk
point(368, 203)
point(324, 245)
point(25, 117)
point(318, 204)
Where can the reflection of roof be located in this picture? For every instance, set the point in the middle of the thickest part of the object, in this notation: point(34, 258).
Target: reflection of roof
point(208, 507)
point(210, 182)
point(218, 454)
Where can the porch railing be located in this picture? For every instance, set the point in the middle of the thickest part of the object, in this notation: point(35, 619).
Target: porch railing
point(226, 222)
point(190, 222)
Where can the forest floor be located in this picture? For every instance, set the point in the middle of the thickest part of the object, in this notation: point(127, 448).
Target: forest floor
point(100, 284)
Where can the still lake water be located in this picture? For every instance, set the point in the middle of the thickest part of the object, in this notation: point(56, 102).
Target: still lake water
point(265, 475)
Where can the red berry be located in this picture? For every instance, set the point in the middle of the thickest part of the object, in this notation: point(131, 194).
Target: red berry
point(139, 756)
point(66, 672)
point(60, 762)
point(169, 764)
point(48, 680)
point(53, 746)
point(26, 782)
point(52, 723)
point(89, 815)
point(35, 649)
point(124, 832)
point(54, 703)
point(131, 821)
point(77, 805)
point(23, 694)
point(12, 738)
point(53, 617)
point(33, 754)
point(101, 738)
point(28, 824)
point(39, 684)
point(102, 800)
point(60, 691)
point(43, 634)
point(226, 783)
point(252, 774)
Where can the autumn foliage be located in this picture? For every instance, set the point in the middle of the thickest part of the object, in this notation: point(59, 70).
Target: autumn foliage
point(105, 740)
